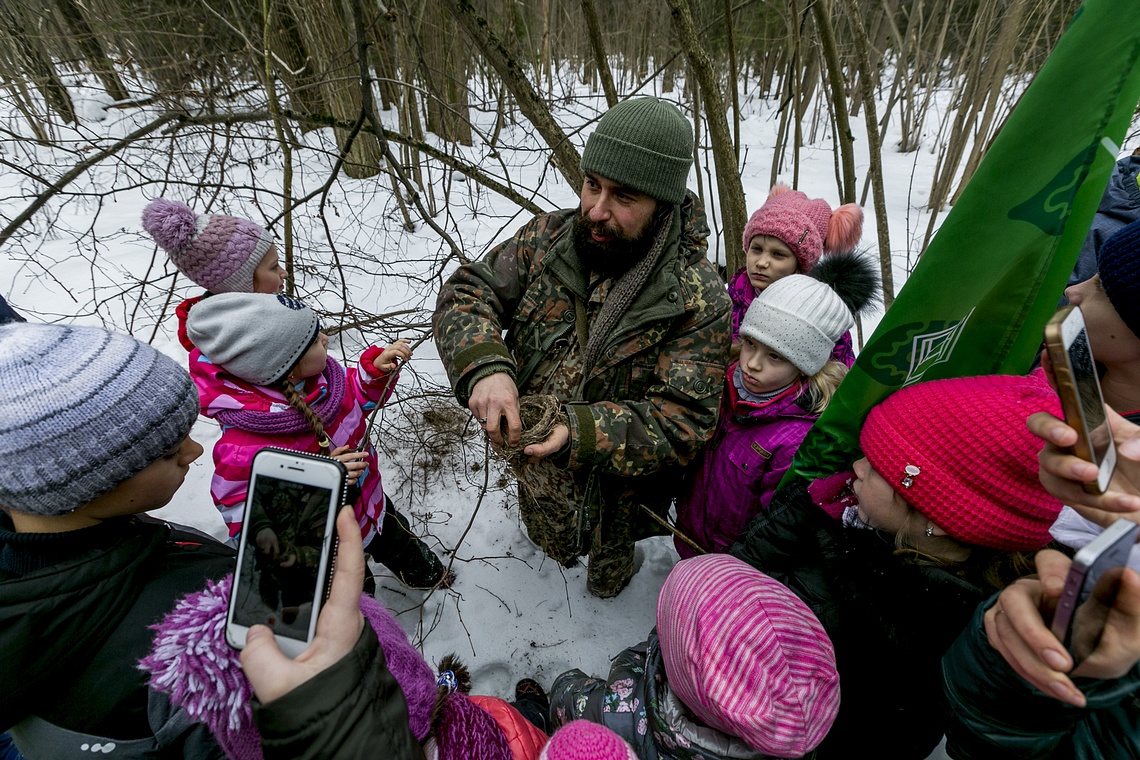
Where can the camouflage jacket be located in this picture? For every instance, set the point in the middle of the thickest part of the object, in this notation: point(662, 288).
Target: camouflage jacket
point(651, 400)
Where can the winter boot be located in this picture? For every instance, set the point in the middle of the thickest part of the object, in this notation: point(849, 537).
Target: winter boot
point(401, 551)
point(532, 702)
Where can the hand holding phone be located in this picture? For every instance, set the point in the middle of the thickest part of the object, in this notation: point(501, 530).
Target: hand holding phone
point(285, 558)
point(1078, 386)
point(1087, 597)
point(1017, 627)
point(339, 624)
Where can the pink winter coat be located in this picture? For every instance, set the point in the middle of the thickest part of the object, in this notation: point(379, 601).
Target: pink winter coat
point(736, 476)
point(224, 397)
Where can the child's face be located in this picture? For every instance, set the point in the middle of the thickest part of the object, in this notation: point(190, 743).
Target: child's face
point(767, 260)
point(313, 361)
point(1110, 338)
point(880, 506)
point(764, 370)
point(152, 487)
point(269, 277)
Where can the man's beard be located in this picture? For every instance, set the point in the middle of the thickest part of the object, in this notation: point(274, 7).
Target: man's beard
point(614, 257)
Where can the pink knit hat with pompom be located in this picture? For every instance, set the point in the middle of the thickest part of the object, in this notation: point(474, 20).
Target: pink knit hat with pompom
point(746, 656)
point(583, 740)
point(808, 226)
point(216, 251)
point(958, 451)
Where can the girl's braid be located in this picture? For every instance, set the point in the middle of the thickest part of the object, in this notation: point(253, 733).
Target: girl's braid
point(297, 401)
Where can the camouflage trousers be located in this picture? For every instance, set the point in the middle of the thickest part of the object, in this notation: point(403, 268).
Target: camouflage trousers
point(556, 512)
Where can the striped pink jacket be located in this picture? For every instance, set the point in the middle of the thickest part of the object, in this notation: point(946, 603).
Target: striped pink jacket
point(219, 391)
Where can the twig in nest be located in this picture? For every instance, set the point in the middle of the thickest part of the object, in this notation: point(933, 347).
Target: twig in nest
point(538, 415)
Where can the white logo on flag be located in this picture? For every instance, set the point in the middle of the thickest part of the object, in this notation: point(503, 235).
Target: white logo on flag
point(929, 349)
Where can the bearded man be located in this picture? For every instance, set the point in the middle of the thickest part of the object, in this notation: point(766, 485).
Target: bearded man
point(613, 309)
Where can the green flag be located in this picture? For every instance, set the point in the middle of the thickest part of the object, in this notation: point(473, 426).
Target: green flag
point(991, 277)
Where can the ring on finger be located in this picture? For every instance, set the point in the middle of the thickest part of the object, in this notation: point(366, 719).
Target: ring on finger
point(482, 420)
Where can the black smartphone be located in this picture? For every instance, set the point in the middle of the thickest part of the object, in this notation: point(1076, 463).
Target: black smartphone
point(1077, 623)
point(287, 547)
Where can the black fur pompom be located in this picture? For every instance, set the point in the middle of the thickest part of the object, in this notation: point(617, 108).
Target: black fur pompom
point(852, 276)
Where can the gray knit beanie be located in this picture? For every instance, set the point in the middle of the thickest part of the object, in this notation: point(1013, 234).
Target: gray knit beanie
point(800, 318)
point(257, 337)
point(81, 411)
point(645, 144)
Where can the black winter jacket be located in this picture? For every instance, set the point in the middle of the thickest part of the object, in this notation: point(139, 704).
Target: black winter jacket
point(353, 709)
point(995, 713)
point(890, 621)
point(74, 615)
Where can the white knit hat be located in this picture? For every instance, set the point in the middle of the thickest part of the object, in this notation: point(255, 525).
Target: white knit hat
point(800, 318)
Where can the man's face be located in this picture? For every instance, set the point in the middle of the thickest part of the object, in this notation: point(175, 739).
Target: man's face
point(614, 227)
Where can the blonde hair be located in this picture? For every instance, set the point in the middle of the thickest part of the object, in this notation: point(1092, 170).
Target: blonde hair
point(297, 401)
point(991, 568)
point(823, 384)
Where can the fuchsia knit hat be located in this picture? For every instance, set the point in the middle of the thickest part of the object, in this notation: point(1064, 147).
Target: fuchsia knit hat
point(806, 225)
point(216, 251)
point(583, 740)
point(746, 655)
point(958, 451)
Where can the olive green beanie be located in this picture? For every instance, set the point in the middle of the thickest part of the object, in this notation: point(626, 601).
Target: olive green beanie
point(645, 144)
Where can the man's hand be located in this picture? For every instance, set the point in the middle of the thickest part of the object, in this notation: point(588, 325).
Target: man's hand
point(552, 445)
point(274, 675)
point(266, 540)
point(1016, 628)
point(1062, 474)
point(493, 398)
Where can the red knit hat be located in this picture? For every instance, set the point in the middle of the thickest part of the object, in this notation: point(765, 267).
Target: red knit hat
point(958, 451)
point(806, 225)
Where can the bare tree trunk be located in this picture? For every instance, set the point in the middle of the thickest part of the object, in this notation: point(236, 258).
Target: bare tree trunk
point(826, 31)
point(514, 76)
point(876, 169)
point(599, 47)
point(283, 140)
point(85, 39)
point(733, 84)
point(39, 66)
point(324, 28)
point(997, 68)
point(731, 191)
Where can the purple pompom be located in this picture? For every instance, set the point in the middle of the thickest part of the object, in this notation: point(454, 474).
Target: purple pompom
point(170, 223)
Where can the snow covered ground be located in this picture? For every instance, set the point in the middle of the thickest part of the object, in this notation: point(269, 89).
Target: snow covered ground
point(511, 613)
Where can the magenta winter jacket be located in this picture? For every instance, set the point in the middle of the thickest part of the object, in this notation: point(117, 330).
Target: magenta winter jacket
point(742, 293)
point(220, 392)
point(737, 474)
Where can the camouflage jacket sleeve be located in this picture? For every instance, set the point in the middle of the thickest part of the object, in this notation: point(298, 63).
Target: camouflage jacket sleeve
point(476, 305)
point(669, 408)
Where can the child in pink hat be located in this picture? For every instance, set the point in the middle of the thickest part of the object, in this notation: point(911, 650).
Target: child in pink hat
point(221, 253)
point(583, 740)
point(736, 666)
point(943, 510)
point(788, 235)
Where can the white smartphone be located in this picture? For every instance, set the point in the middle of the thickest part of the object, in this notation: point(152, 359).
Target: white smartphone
point(1074, 625)
point(287, 547)
point(1079, 388)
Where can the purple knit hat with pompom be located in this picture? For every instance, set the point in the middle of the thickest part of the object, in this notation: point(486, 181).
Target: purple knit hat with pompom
point(465, 731)
point(216, 251)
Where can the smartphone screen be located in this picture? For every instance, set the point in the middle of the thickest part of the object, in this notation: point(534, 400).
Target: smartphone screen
point(279, 574)
point(1088, 390)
